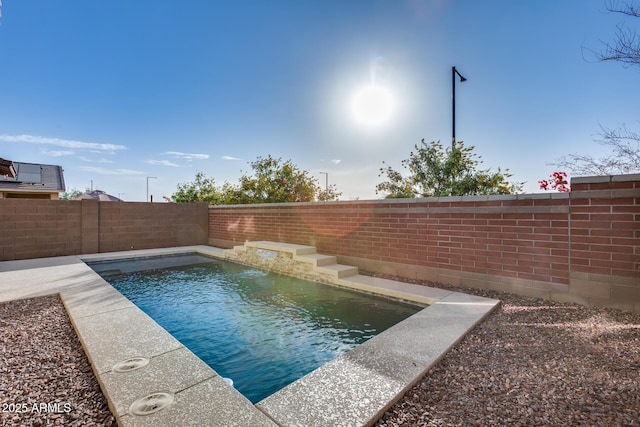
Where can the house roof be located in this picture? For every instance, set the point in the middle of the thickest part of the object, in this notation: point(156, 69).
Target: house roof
point(98, 195)
point(33, 177)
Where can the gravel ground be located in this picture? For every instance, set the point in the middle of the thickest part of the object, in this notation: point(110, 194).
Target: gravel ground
point(530, 363)
point(45, 377)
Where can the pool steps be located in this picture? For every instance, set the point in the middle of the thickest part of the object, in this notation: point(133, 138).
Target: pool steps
point(318, 260)
point(322, 264)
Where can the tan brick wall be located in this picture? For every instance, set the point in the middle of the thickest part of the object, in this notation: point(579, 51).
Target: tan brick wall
point(44, 228)
point(31, 228)
point(126, 226)
point(556, 246)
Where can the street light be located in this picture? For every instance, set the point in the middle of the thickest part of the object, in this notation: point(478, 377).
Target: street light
point(326, 182)
point(453, 104)
point(148, 178)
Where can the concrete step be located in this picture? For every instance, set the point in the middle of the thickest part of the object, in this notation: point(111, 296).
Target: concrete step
point(317, 260)
point(338, 271)
point(284, 247)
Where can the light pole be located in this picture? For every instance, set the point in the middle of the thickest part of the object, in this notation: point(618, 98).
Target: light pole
point(453, 103)
point(326, 182)
point(148, 178)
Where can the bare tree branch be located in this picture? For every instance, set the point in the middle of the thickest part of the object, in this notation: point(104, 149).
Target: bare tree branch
point(624, 158)
point(626, 47)
point(623, 142)
point(629, 9)
point(621, 133)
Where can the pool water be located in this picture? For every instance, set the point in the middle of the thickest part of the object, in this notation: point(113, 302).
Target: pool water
point(262, 330)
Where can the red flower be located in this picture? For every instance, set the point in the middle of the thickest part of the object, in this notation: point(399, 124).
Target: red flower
point(559, 182)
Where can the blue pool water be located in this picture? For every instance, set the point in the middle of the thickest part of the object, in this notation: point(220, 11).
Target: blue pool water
point(262, 330)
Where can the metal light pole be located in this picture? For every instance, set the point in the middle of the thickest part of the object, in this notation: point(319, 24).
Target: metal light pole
point(148, 178)
point(453, 103)
point(326, 182)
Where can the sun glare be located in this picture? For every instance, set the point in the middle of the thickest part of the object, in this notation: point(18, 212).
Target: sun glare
point(372, 105)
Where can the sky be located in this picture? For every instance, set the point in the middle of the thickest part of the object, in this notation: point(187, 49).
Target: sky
point(119, 91)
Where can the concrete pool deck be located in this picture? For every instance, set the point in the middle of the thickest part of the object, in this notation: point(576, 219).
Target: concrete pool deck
point(352, 390)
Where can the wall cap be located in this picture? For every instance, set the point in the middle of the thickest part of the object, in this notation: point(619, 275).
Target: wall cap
point(605, 178)
point(449, 199)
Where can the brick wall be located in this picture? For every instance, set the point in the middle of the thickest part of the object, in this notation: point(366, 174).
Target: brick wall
point(579, 247)
point(125, 226)
point(605, 231)
point(44, 228)
point(32, 228)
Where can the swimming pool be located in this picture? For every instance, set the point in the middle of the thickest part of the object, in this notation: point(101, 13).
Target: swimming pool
point(262, 330)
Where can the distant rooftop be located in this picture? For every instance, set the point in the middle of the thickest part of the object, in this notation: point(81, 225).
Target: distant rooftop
point(98, 195)
point(18, 176)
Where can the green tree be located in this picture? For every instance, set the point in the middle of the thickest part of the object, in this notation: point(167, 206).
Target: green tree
point(328, 194)
point(203, 189)
point(436, 172)
point(71, 194)
point(276, 181)
point(272, 181)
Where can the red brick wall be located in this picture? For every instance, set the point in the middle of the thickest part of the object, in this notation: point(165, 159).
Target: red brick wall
point(605, 231)
point(43, 228)
point(572, 246)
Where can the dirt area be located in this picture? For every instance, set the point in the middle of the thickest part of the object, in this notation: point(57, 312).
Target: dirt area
point(533, 363)
point(45, 377)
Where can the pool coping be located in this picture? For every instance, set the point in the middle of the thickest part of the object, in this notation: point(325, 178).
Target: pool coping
point(352, 390)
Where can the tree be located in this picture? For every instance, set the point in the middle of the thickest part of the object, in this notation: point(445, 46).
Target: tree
point(436, 172)
point(203, 189)
point(624, 142)
point(625, 158)
point(71, 194)
point(273, 181)
point(328, 194)
point(277, 181)
point(626, 46)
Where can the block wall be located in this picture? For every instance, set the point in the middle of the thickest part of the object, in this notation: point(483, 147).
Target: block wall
point(34, 228)
point(125, 226)
point(580, 247)
point(44, 228)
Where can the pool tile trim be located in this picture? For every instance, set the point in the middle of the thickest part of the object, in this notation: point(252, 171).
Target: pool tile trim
point(352, 390)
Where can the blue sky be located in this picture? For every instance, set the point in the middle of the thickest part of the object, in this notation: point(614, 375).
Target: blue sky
point(118, 91)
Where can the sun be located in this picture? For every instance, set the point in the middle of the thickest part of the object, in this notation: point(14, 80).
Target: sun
point(373, 105)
